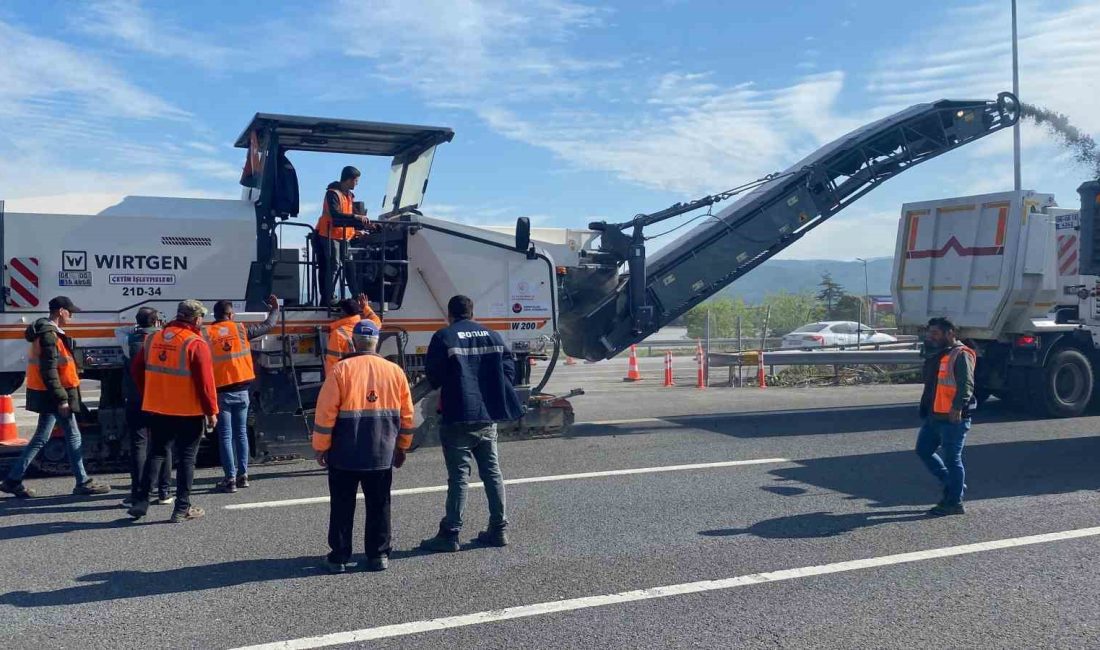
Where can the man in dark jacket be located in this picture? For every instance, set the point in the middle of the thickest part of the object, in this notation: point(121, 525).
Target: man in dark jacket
point(474, 371)
point(945, 409)
point(147, 321)
point(53, 391)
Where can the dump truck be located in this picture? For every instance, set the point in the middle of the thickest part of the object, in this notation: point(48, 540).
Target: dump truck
point(1020, 277)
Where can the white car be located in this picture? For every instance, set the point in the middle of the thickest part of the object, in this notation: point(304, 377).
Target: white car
point(831, 333)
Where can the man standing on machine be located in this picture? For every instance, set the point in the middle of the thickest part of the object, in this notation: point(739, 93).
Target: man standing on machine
point(336, 227)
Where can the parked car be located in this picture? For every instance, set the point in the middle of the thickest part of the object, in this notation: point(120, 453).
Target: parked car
point(828, 333)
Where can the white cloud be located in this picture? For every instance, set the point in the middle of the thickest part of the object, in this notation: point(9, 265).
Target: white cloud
point(64, 147)
point(454, 50)
point(51, 189)
point(127, 22)
point(45, 76)
point(969, 55)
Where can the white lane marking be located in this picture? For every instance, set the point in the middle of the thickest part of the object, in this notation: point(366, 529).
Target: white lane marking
point(571, 604)
point(518, 481)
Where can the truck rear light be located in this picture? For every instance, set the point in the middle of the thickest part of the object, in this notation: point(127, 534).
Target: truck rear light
point(1027, 341)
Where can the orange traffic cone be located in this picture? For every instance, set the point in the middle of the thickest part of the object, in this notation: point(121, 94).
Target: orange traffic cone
point(9, 432)
point(701, 379)
point(668, 369)
point(570, 361)
point(632, 373)
point(760, 379)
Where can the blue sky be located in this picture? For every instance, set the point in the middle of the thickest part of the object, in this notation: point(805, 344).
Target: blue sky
point(565, 111)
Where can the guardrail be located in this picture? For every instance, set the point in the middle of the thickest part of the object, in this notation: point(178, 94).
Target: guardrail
point(750, 344)
point(880, 354)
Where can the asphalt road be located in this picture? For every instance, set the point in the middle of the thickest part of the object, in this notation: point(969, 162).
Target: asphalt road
point(813, 546)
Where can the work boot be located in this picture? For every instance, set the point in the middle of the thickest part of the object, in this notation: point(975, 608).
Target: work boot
point(242, 481)
point(443, 542)
point(493, 537)
point(90, 487)
point(16, 488)
point(229, 486)
point(944, 510)
point(139, 509)
point(380, 563)
point(193, 512)
point(336, 567)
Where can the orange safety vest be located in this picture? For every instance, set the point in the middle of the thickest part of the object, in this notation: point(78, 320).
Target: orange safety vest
point(339, 343)
point(231, 351)
point(169, 388)
point(66, 366)
point(324, 224)
point(946, 386)
point(364, 411)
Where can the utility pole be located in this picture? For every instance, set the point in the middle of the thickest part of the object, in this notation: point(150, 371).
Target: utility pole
point(1017, 183)
point(866, 298)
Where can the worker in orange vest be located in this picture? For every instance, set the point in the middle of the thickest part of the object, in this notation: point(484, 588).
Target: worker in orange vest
point(175, 374)
point(945, 406)
point(53, 391)
point(233, 374)
point(336, 227)
point(339, 343)
point(363, 427)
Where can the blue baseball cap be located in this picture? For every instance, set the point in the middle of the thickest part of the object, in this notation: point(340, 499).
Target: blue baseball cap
point(366, 328)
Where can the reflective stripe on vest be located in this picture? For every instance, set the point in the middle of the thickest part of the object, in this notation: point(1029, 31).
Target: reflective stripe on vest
point(169, 387)
point(324, 224)
point(946, 384)
point(231, 351)
point(66, 366)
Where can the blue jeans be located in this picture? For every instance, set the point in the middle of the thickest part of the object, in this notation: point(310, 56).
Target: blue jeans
point(946, 464)
point(461, 444)
point(46, 422)
point(232, 432)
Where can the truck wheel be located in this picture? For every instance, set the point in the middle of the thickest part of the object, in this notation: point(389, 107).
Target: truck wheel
point(1063, 387)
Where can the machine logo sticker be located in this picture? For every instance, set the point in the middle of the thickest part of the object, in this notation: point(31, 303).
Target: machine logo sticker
point(372, 397)
point(74, 270)
point(74, 260)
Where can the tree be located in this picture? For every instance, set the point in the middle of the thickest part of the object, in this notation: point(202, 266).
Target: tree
point(849, 307)
point(789, 311)
point(723, 318)
point(830, 294)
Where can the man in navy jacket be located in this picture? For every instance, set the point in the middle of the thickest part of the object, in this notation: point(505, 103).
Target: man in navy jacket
point(474, 370)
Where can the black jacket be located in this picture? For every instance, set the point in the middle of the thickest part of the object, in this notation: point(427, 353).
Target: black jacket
point(47, 401)
point(475, 370)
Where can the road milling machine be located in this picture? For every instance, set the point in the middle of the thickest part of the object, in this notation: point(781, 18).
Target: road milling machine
point(587, 293)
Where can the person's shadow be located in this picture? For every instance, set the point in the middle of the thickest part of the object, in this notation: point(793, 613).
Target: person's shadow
point(818, 524)
point(114, 585)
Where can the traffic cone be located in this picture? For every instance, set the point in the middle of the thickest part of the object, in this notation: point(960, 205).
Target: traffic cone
point(570, 361)
point(668, 369)
point(760, 379)
point(701, 380)
point(632, 373)
point(9, 432)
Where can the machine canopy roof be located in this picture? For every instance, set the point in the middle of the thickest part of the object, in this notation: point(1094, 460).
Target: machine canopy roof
point(328, 135)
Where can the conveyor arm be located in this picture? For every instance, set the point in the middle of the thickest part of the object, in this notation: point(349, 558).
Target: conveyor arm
point(603, 312)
